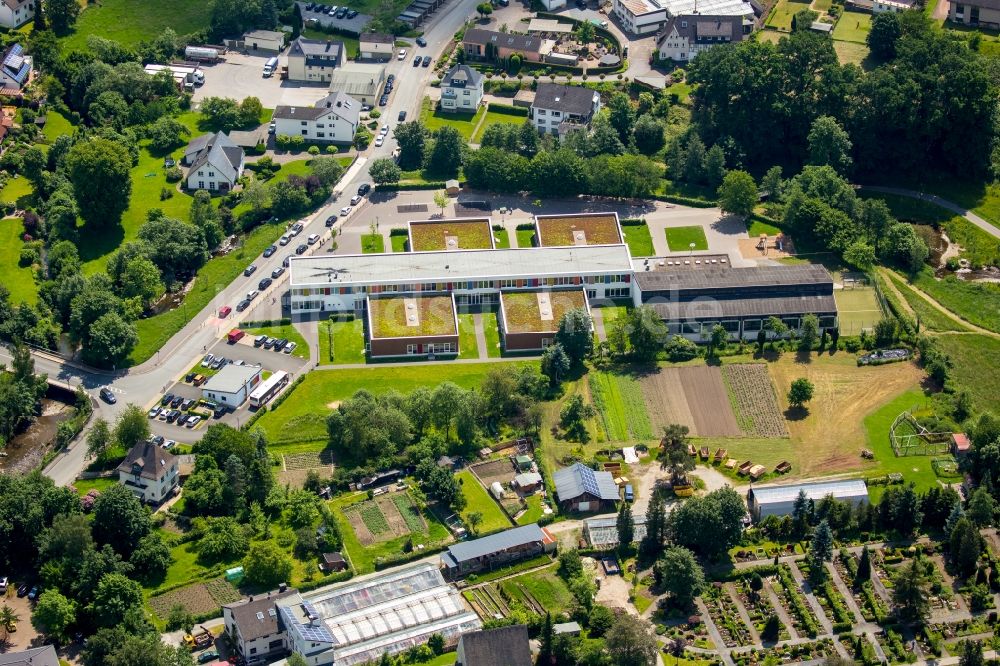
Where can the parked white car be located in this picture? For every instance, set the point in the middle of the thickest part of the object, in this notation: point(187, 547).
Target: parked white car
point(402, 54)
point(379, 141)
point(345, 210)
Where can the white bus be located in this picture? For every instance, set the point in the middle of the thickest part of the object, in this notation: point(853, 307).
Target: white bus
point(269, 388)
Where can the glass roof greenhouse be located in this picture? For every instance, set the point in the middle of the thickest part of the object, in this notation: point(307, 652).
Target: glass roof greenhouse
point(385, 613)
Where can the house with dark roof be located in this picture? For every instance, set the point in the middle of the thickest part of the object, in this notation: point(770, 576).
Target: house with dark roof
point(334, 119)
point(492, 45)
point(215, 163)
point(14, 13)
point(252, 625)
point(687, 35)
point(506, 646)
point(580, 488)
point(985, 13)
point(313, 60)
point(376, 46)
point(461, 89)
point(39, 656)
point(559, 109)
point(149, 471)
point(496, 550)
point(15, 68)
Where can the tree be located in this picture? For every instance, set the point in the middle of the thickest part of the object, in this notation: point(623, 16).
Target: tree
point(709, 525)
point(656, 525)
point(573, 419)
point(384, 171)
point(441, 200)
point(738, 193)
point(151, 557)
point(250, 111)
point(141, 280)
point(625, 525)
point(474, 519)
point(555, 363)
point(115, 596)
point(809, 331)
point(772, 629)
point(982, 507)
point(8, 620)
point(715, 166)
point(680, 574)
point(630, 643)
point(585, 32)
point(131, 427)
point(98, 439)
point(885, 32)
point(99, 171)
point(864, 567)
point(120, 519)
point(166, 134)
point(180, 618)
point(545, 640)
point(717, 339)
point(772, 184)
point(570, 564)
point(411, 138)
point(327, 169)
point(829, 144)
point(800, 392)
point(646, 332)
point(972, 653)
point(484, 9)
point(820, 551)
point(266, 564)
point(62, 14)
point(575, 334)
point(775, 327)
point(53, 614)
point(648, 134)
point(621, 115)
point(911, 591)
point(446, 155)
point(966, 546)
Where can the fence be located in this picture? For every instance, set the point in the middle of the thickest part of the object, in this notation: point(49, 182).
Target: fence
point(909, 438)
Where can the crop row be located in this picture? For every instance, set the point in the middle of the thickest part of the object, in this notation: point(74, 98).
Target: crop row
point(726, 618)
point(754, 401)
point(806, 622)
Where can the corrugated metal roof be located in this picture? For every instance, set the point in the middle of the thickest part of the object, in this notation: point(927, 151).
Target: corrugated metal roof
point(729, 278)
point(716, 308)
point(495, 543)
point(573, 481)
point(814, 491)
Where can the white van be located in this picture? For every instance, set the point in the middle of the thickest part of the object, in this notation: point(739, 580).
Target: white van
point(270, 66)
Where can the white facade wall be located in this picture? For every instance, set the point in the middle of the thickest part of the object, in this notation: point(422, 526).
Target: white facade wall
point(329, 128)
point(207, 177)
point(640, 23)
point(150, 490)
point(12, 18)
point(461, 99)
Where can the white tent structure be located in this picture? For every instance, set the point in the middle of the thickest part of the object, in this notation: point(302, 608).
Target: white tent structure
point(767, 501)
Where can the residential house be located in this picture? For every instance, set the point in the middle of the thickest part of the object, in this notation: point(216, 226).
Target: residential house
point(215, 163)
point(149, 471)
point(492, 45)
point(579, 488)
point(560, 109)
point(264, 40)
point(38, 656)
point(334, 119)
point(333, 562)
point(687, 35)
point(506, 646)
point(362, 81)
point(985, 13)
point(640, 17)
point(496, 550)
point(14, 13)
point(252, 626)
point(313, 60)
point(376, 46)
point(461, 89)
point(15, 69)
point(880, 6)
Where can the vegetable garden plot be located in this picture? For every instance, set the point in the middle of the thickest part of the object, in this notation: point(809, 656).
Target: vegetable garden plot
point(197, 599)
point(621, 407)
point(753, 400)
point(702, 404)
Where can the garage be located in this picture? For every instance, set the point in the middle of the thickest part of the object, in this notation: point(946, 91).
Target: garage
point(264, 40)
point(231, 385)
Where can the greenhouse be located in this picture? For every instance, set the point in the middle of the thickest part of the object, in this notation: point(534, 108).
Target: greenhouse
point(603, 532)
point(384, 613)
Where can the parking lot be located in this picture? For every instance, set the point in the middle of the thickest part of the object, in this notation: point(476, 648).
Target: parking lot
point(355, 24)
point(240, 76)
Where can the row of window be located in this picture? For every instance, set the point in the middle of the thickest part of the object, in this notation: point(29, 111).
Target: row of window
point(433, 348)
point(470, 285)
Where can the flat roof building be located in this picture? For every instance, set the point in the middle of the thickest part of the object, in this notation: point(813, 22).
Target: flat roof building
point(362, 81)
point(505, 646)
point(424, 325)
point(464, 233)
point(577, 229)
point(767, 501)
point(528, 320)
point(497, 550)
point(232, 385)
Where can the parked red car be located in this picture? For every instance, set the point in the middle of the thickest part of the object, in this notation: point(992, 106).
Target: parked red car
point(224, 311)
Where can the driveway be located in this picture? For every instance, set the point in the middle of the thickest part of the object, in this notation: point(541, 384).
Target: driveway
point(240, 76)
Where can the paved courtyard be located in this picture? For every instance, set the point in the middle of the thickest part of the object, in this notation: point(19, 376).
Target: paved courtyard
point(240, 76)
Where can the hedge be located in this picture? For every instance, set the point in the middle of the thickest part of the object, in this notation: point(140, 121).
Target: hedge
point(733, 575)
point(633, 222)
point(508, 109)
point(398, 231)
point(435, 185)
point(285, 321)
point(685, 201)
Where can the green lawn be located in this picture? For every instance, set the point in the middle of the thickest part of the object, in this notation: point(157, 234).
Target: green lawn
point(56, 125)
point(930, 317)
point(758, 227)
point(302, 417)
point(975, 302)
point(287, 331)
point(501, 239)
point(351, 43)
point(341, 342)
point(477, 499)
point(621, 407)
point(534, 512)
point(15, 189)
point(545, 586)
point(853, 27)
point(20, 281)
point(491, 331)
point(434, 120)
point(640, 242)
point(853, 53)
point(467, 347)
point(917, 469)
point(781, 17)
point(494, 118)
point(130, 21)
point(680, 238)
point(372, 244)
point(975, 360)
point(212, 278)
point(84, 486)
point(525, 237)
point(398, 242)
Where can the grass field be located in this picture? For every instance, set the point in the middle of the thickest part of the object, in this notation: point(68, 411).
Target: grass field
point(545, 586)
point(19, 280)
point(640, 243)
point(467, 347)
point(398, 243)
point(351, 43)
point(781, 16)
point(494, 118)
point(680, 238)
point(853, 27)
point(534, 512)
point(302, 417)
point(15, 189)
point(975, 361)
point(857, 309)
point(56, 124)
point(852, 53)
point(930, 317)
point(84, 486)
point(622, 410)
point(525, 237)
point(758, 227)
point(977, 303)
point(916, 469)
point(477, 499)
point(341, 342)
point(287, 331)
point(130, 21)
point(372, 244)
point(491, 331)
point(434, 120)
point(501, 239)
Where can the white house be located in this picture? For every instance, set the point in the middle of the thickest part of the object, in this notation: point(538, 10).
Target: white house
point(215, 163)
point(640, 17)
point(264, 40)
point(560, 109)
point(461, 89)
point(334, 119)
point(232, 385)
point(880, 6)
point(313, 60)
point(149, 471)
point(376, 46)
point(14, 13)
point(15, 68)
point(689, 34)
point(252, 625)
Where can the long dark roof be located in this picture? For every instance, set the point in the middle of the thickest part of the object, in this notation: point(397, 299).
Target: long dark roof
point(506, 646)
point(39, 656)
point(315, 47)
point(523, 43)
point(494, 543)
point(377, 38)
point(461, 76)
point(694, 27)
point(575, 100)
point(729, 278)
point(257, 617)
point(152, 461)
point(712, 309)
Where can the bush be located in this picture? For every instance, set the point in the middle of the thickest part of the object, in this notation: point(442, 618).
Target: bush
point(313, 150)
point(166, 193)
point(375, 113)
point(29, 255)
point(174, 174)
